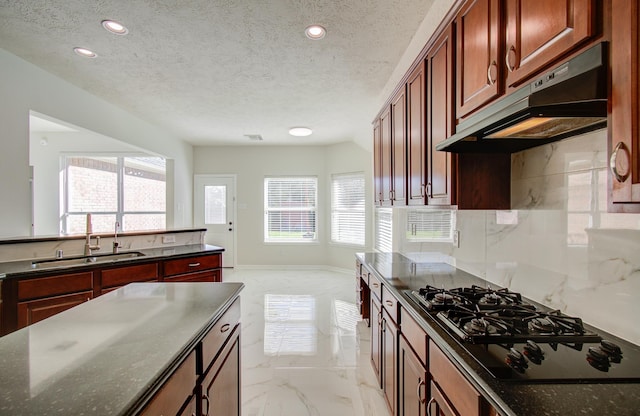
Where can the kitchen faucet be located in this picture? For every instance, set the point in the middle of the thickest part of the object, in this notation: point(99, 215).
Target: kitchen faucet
point(88, 248)
point(116, 244)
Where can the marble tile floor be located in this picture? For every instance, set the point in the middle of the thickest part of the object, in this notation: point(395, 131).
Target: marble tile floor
point(305, 350)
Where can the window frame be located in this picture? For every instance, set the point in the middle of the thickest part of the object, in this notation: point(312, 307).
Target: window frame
point(359, 176)
point(268, 210)
point(120, 212)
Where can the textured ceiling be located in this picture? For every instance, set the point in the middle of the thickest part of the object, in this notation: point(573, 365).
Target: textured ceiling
point(212, 71)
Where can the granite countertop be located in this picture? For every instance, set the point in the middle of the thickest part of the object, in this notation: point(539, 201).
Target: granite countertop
point(400, 274)
point(22, 267)
point(106, 356)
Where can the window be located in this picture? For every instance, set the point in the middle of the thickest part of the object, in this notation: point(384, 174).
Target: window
point(384, 230)
point(430, 225)
point(290, 208)
point(129, 190)
point(347, 208)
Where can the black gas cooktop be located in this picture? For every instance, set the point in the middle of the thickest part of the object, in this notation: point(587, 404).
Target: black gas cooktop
point(515, 340)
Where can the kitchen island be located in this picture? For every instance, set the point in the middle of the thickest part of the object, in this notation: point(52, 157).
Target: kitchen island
point(125, 352)
point(397, 276)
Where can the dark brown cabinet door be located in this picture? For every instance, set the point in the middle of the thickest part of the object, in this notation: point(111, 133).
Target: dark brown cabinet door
point(386, 172)
point(399, 148)
point(413, 388)
point(416, 137)
point(540, 32)
point(33, 311)
point(221, 384)
point(624, 130)
point(377, 167)
point(389, 354)
point(438, 404)
point(479, 64)
point(441, 169)
point(376, 332)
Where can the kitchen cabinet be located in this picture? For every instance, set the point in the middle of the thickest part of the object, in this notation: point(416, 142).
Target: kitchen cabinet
point(389, 349)
point(377, 167)
point(413, 375)
point(479, 69)
point(502, 45)
point(624, 120)
point(539, 32)
point(221, 383)
point(376, 336)
point(416, 137)
point(451, 393)
point(41, 298)
point(203, 268)
point(362, 293)
point(441, 166)
point(177, 392)
point(399, 148)
point(384, 149)
point(412, 382)
point(113, 278)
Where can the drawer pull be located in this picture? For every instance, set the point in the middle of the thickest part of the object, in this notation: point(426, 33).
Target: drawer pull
point(419, 391)
point(389, 303)
point(225, 328)
point(433, 400)
point(194, 264)
point(205, 397)
point(376, 285)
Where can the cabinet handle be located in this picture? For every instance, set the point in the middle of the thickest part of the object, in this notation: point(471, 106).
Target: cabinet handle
point(206, 399)
point(419, 391)
point(225, 328)
point(380, 320)
point(506, 58)
point(433, 400)
point(493, 64)
point(620, 167)
point(422, 190)
point(389, 303)
point(375, 284)
point(194, 264)
point(429, 190)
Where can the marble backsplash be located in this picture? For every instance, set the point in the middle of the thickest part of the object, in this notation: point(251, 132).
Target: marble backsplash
point(75, 247)
point(558, 246)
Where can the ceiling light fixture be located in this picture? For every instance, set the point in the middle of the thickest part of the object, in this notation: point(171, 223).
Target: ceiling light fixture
point(115, 27)
point(300, 131)
point(315, 32)
point(85, 52)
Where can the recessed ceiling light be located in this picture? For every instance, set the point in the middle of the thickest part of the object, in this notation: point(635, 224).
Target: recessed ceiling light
point(300, 131)
point(115, 27)
point(315, 32)
point(85, 52)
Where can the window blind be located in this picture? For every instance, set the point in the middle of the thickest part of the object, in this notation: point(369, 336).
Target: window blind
point(290, 209)
point(348, 209)
point(430, 225)
point(384, 230)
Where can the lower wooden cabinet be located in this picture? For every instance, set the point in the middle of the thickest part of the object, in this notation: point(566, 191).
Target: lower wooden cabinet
point(176, 391)
point(389, 355)
point(190, 408)
point(32, 311)
point(376, 336)
point(221, 383)
point(438, 404)
point(413, 386)
point(113, 278)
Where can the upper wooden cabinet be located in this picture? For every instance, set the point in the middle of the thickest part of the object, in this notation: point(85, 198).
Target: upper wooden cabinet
point(385, 158)
point(624, 143)
point(479, 67)
point(399, 148)
point(441, 169)
point(416, 140)
point(539, 32)
point(501, 45)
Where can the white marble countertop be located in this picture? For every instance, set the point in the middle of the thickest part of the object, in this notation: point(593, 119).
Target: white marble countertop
point(105, 356)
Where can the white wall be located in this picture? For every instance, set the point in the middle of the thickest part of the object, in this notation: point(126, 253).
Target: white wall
point(251, 164)
point(25, 87)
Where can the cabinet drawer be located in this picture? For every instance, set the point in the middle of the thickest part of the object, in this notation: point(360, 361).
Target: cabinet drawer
point(121, 276)
point(415, 335)
point(176, 391)
point(439, 401)
point(462, 395)
point(55, 285)
point(375, 285)
point(191, 264)
point(390, 304)
point(206, 276)
point(213, 341)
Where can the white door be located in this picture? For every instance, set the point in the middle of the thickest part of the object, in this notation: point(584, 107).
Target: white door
point(214, 199)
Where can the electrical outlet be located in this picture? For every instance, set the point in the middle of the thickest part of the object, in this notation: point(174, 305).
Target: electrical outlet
point(167, 239)
point(456, 238)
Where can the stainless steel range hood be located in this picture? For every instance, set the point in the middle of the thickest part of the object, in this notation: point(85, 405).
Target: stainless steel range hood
point(564, 102)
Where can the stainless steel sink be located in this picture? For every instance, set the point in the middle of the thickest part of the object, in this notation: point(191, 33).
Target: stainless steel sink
point(76, 261)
